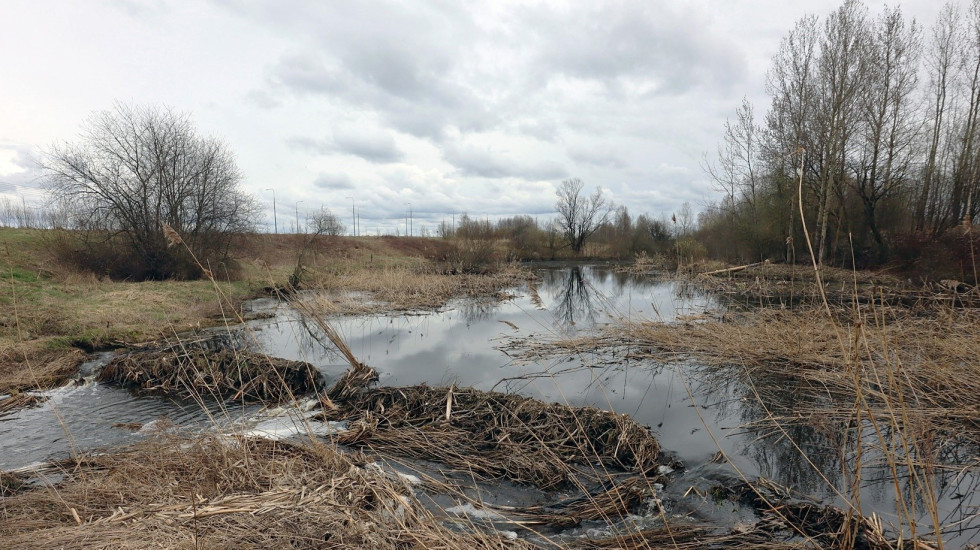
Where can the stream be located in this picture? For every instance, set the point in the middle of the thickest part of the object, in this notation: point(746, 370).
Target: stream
point(694, 411)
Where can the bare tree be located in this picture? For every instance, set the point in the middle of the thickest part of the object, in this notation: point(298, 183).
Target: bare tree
point(579, 216)
point(841, 68)
point(967, 167)
point(789, 122)
point(941, 65)
point(136, 169)
point(886, 112)
point(327, 223)
point(736, 169)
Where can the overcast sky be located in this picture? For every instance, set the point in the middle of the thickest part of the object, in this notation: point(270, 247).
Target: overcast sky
point(479, 107)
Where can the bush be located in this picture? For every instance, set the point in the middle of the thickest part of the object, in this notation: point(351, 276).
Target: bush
point(134, 172)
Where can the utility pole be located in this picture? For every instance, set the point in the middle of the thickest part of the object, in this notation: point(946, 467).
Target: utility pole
point(275, 220)
point(408, 220)
point(353, 217)
point(296, 208)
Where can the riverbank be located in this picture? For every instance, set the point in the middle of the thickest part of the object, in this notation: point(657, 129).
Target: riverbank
point(51, 315)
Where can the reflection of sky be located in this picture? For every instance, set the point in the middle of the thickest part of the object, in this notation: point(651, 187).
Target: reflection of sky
point(467, 345)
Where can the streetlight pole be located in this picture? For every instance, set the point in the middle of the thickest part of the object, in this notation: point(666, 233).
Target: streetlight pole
point(275, 220)
point(353, 217)
point(296, 212)
point(408, 217)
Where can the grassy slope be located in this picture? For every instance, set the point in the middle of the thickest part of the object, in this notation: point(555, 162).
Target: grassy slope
point(47, 310)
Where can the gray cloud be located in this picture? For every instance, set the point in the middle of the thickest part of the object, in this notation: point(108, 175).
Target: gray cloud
point(337, 182)
point(372, 146)
point(483, 162)
point(596, 157)
point(659, 46)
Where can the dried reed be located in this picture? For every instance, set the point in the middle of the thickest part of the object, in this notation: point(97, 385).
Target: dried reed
point(226, 493)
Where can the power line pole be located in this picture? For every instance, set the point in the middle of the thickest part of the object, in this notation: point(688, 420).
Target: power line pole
point(275, 220)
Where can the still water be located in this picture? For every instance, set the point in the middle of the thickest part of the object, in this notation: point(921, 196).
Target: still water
point(694, 411)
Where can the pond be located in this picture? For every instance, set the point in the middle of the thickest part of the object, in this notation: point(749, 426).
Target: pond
point(698, 414)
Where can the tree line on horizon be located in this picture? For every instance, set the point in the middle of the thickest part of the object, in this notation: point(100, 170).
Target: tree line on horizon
point(870, 138)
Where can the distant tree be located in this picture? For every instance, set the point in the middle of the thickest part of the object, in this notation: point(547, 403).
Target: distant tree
point(134, 170)
point(327, 223)
point(324, 223)
point(579, 216)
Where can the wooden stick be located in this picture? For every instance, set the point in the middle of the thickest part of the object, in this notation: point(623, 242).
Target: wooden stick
point(734, 269)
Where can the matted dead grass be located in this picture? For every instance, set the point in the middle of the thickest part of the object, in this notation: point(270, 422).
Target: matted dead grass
point(210, 492)
point(33, 365)
point(496, 435)
point(358, 290)
point(185, 370)
point(767, 285)
point(927, 365)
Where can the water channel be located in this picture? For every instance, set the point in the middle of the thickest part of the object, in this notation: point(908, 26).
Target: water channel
point(694, 411)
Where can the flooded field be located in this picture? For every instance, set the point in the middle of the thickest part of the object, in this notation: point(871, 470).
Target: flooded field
point(710, 421)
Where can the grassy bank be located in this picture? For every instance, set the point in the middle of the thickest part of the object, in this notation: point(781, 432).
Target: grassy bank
point(50, 313)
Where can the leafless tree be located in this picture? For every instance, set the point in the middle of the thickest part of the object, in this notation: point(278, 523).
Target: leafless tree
point(327, 223)
point(579, 216)
point(791, 82)
point(941, 68)
point(137, 168)
point(886, 116)
point(736, 169)
point(841, 68)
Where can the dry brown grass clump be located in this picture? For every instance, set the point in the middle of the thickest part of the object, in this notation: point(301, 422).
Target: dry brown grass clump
point(193, 371)
point(497, 435)
point(768, 284)
point(19, 401)
point(30, 366)
point(225, 493)
point(925, 365)
point(355, 289)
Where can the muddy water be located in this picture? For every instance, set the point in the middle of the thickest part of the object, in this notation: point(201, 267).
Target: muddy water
point(694, 411)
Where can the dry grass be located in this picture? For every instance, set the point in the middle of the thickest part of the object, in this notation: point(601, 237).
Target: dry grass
point(19, 401)
point(496, 435)
point(930, 362)
point(226, 493)
point(356, 289)
point(778, 285)
point(186, 370)
point(34, 365)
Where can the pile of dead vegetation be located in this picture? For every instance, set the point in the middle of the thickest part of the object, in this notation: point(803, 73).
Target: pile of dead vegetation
point(765, 284)
point(889, 357)
point(26, 366)
point(356, 289)
point(496, 435)
point(20, 401)
point(182, 369)
point(210, 492)
point(783, 521)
